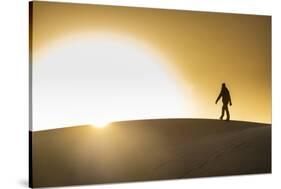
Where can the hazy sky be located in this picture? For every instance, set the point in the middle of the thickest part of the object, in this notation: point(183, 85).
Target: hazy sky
point(201, 50)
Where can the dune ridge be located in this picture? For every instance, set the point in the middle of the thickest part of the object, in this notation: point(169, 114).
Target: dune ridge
point(143, 150)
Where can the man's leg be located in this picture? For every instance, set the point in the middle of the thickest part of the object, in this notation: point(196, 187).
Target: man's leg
point(222, 112)
point(227, 113)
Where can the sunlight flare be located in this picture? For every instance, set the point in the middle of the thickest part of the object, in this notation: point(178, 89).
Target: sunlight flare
point(105, 78)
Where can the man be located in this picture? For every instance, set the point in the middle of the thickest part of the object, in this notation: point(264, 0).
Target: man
point(224, 94)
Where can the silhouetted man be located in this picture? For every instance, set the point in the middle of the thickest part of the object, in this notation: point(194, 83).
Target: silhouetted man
point(224, 94)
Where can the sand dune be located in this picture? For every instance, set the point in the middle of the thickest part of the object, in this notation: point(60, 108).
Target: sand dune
point(150, 150)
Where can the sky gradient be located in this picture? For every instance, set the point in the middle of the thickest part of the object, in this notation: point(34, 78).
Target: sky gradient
point(202, 49)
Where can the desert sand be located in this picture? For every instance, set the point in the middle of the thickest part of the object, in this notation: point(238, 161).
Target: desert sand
point(149, 150)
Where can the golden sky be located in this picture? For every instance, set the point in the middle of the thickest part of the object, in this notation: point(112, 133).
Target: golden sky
point(204, 49)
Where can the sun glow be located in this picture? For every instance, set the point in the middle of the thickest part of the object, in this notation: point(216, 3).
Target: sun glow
point(100, 123)
point(100, 79)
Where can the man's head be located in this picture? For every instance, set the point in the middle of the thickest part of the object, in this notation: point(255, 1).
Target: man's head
point(223, 85)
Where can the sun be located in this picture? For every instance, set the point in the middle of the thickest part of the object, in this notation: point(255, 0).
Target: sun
point(99, 123)
point(98, 79)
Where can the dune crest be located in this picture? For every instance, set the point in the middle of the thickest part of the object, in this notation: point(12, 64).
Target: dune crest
point(150, 150)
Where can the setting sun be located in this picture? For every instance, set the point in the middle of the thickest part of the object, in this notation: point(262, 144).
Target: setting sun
point(100, 124)
point(105, 78)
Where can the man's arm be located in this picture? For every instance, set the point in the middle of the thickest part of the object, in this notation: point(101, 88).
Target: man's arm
point(219, 97)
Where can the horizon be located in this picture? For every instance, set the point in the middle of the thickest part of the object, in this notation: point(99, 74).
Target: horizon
point(153, 120)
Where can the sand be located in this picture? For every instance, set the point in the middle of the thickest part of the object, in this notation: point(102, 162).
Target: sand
point(149, 150)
